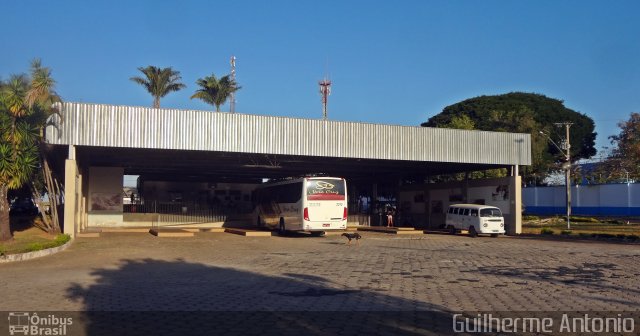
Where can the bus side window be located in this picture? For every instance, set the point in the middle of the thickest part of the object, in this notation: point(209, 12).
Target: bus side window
point(466, 212)
point(474, 212)
point(456, 211)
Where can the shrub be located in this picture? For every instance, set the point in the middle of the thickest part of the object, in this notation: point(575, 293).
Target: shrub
point(546, 231)
point(633, 237)
point(35, 247)
point(584, 235)
point(62, 239)
point(565, 232)
point(605, 236)
point(530, 218)
point(3, 250)
point(584, 219)
point(621, 236)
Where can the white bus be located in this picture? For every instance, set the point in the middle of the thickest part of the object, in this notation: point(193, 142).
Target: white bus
point(311, 204)
point(477, 219)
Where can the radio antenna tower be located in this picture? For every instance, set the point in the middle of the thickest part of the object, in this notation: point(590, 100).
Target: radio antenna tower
point(232, 100)
point(325, 91)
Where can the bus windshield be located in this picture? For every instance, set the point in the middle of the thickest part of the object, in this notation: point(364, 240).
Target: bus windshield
point(490, 212)
point(325, 190)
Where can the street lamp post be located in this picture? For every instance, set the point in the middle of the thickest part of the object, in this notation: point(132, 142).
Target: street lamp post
point(566, 166)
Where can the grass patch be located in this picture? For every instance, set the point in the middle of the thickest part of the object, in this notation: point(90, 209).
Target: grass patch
point(565, 232)
point(577, 219)
point(60, 239)
point(585, 227)
point(29, 239)
point(546, 231)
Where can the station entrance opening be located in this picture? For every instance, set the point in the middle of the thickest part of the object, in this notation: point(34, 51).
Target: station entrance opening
point(200, 168)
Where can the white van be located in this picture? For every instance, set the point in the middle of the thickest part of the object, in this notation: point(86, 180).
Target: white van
point(477, 219)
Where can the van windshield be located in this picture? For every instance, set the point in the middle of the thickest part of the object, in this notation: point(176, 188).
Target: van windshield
point(490, 212)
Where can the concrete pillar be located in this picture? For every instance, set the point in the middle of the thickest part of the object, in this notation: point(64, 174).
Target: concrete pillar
point(514, 220)
point(70, 197)
point(78, 217)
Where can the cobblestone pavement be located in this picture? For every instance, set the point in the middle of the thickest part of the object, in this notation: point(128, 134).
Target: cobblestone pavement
point(223, 272)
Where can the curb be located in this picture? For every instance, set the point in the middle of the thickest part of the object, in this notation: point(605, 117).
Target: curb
point(576, 238)
point(36, 254)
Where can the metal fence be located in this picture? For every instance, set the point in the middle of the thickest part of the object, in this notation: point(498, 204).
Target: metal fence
point(181, 213)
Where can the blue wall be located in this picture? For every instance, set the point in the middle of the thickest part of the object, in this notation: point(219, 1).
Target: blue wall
point(591, 200)
point(585, 211)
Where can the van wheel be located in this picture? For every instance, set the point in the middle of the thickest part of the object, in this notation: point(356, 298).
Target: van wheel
point(452, 229)
point(472, 232)
point(281, 230)
point(494, 235)
point(318, 233)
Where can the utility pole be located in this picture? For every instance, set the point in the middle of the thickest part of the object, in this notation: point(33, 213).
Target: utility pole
point(567, 166)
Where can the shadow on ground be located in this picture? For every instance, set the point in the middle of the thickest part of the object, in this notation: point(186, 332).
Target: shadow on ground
point(144, 297)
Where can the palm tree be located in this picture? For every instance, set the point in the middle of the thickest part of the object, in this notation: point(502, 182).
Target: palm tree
point(25, 106)
point(215, 92)
point(40, 98)
point(18, 148)
point(159, 82)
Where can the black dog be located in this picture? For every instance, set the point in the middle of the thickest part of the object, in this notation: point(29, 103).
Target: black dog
point(351, 236)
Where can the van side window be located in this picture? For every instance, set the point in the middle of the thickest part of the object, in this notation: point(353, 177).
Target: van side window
point(455, 211)
point(474, 212)
point(450, 210)
point(466, 212)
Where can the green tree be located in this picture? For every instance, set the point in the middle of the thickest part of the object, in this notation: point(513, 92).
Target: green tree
point(526, 113)
point(215, 92)
point(18, 149)
point(461, 122)
point(625, 156)
point(25, 105)
point(41, 98)
point(159, 82)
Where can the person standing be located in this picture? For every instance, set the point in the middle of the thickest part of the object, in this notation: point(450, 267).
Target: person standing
point(390, 217)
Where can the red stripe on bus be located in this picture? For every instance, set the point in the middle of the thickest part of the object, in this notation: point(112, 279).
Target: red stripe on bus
point(325, 197)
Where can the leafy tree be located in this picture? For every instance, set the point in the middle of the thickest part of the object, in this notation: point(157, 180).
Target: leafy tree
point(18, 150)
point(41, 98)
point(461, 122)
point(625, 156)
point(526, 113)
point(159, 82)
point(25, 105)
point(215, 92)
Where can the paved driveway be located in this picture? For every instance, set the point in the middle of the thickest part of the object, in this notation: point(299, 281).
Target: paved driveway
point(386, 277)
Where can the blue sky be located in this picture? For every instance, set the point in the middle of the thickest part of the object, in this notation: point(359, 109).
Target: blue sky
point(396, 62)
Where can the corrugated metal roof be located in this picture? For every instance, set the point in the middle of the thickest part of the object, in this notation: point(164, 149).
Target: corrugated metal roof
point(143, 127)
